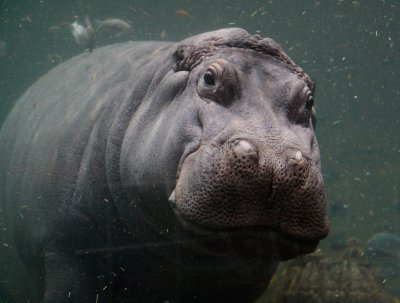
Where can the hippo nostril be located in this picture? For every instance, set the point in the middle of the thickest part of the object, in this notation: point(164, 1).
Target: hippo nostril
point(295, 157)
point(298, 156)
point(244, 148)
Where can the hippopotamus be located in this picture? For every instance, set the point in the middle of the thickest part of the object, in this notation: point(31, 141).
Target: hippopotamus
point(160, 172)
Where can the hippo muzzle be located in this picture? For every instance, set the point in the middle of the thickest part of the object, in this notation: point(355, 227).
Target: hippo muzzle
point(244, 184)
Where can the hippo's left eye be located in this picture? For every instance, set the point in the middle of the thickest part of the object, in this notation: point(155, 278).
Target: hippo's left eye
point(309, 100)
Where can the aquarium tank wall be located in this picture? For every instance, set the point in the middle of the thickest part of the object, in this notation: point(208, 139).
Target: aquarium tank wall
point(329, 81)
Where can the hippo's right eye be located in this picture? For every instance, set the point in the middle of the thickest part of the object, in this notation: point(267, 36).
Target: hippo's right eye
point(219, 83)
point(208, 78)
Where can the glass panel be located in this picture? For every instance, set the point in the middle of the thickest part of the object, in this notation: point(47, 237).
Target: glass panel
point(166, 172)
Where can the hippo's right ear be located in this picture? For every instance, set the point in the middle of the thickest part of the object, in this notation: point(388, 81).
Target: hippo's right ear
point(183, 56)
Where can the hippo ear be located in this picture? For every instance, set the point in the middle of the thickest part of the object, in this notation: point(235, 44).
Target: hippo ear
point(313, 86)
point(314, 119)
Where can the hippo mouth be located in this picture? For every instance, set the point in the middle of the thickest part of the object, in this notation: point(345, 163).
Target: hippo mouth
point(247, 242)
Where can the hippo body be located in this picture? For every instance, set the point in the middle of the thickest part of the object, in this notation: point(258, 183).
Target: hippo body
point(160, 172)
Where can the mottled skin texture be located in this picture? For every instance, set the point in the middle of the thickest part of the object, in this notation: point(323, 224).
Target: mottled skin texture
point(91, 153)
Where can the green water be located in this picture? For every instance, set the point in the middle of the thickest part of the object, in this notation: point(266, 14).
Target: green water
point(351, 49)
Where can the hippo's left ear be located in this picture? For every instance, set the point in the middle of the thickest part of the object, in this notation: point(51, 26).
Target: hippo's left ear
point(313, 87)
point(314, 119)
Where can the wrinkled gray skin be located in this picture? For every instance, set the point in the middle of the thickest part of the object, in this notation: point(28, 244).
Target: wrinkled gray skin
point(90, 155)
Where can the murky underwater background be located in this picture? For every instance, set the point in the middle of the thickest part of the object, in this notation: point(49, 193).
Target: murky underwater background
point(351, 49)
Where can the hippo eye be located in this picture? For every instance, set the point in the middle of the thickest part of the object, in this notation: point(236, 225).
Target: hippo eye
point(219, 83)
point(209, 78)
point(309, 100)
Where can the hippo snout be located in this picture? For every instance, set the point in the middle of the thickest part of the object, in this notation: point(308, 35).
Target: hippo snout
point(246, 183)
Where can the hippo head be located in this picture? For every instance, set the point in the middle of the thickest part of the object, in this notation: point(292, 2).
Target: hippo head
point(242, 135)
